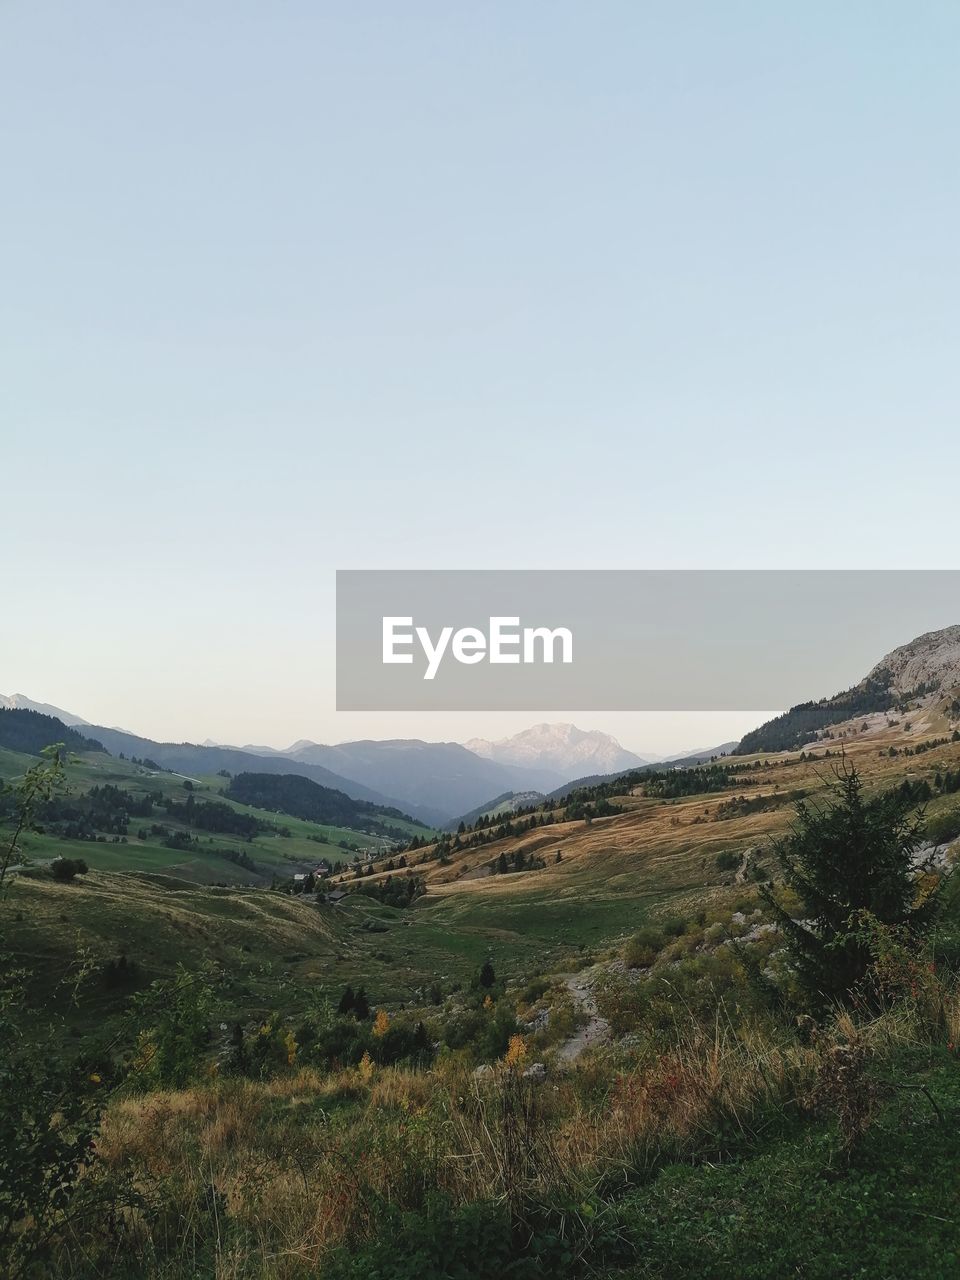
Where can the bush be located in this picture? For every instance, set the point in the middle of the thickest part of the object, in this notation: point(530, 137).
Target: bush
point(485, 1032)
point(64, 869)
point(340, 1042)
point(643, 948)
point(47, 1127)
point(944, 827)
point(173, 1023)
point(535, 989)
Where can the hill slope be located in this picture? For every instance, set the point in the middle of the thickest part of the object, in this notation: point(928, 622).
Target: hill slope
point(191, 759)
point(303, 798)
point(31, 731)
point(20, 702)
point(931, 661)
point(920, 670)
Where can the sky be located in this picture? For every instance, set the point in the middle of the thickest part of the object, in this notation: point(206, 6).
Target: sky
point(303, 286)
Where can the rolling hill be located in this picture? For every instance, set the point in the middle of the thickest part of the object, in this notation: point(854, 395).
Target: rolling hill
point(299, 797)
point(192, 760)
point(31, 731)
point(128, 815)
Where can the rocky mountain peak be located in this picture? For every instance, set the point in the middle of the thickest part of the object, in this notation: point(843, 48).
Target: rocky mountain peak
point(932, 659)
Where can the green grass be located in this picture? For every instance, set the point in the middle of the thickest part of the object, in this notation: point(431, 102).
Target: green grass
point(275, 855)
point(802, 1208)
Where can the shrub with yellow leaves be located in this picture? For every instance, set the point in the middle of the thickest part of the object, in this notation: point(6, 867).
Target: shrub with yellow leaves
point(516, 1051)
point(381, 1023)
point(290, 1044)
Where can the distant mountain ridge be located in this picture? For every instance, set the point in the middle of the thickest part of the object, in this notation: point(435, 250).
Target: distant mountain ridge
point(191, 759)
point(562, 749)
point(442, 777)
point(435, 782)
point(20, 702)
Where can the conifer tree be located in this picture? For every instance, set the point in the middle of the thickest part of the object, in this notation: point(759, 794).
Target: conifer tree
point(347, 1001)
point(361, 1007)
point(855, 855)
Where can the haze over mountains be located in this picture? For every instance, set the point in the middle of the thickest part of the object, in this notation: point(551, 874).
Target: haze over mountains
point(432, 781)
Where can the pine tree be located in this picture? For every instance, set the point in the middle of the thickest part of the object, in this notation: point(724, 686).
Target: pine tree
point(487, 975)
point(361, 1007)
point(856, 855)
point(347, 1001)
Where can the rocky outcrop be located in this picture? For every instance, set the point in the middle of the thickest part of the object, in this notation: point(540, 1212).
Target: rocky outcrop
point(932, 660)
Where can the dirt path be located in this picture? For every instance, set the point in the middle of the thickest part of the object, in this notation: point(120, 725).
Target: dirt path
point(594, 1030)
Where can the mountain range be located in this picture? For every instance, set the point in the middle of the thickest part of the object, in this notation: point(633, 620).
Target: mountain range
point(435, 782)
point(439, 782)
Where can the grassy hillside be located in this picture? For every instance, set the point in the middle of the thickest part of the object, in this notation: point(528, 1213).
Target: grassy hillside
point(580, 1051)
point(656, 859)
point(257, 849)
point(194, 761)
point(303, 798)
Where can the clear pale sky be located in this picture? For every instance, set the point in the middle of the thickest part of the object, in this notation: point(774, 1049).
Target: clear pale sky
point(300, 286)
